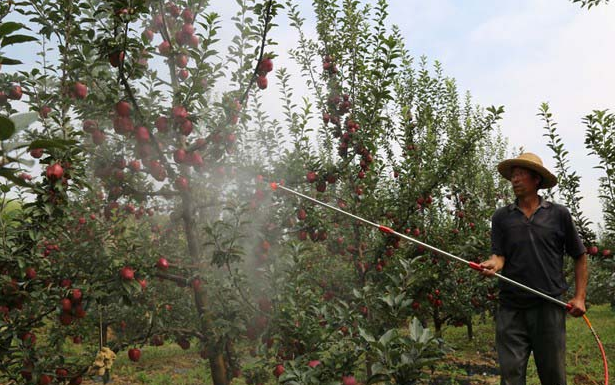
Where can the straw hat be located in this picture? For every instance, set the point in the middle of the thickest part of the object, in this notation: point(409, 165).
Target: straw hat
point(529, 161)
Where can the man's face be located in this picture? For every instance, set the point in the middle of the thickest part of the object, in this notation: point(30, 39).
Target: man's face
point(524, 182)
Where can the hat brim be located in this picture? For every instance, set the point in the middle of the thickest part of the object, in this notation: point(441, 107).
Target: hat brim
point(548, 180)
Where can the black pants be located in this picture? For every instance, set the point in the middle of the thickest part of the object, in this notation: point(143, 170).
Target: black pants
point(541, 330)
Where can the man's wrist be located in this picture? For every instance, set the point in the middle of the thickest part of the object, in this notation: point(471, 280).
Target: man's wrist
point(580, 296)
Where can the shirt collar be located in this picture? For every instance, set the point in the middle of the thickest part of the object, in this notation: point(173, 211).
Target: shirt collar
point(543, 204)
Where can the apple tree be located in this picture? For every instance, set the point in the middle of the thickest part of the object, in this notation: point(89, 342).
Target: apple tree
point(390, 144)
point(158, 154)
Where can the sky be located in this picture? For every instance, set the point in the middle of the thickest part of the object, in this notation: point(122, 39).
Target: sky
point(515, 53)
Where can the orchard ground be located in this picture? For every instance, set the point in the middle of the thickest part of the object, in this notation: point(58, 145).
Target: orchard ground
point(471, 362)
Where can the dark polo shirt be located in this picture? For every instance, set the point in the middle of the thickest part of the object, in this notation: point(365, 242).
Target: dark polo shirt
point(534, 249)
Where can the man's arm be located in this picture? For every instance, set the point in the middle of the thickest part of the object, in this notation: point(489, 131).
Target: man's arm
point(580, 284)
point(493, 265)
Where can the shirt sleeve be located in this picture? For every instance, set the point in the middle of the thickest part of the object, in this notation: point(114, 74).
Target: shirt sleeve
point(497, 235)
point(574, 244)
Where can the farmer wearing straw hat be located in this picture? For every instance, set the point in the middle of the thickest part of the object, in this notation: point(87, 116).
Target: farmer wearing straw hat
point(528, 241)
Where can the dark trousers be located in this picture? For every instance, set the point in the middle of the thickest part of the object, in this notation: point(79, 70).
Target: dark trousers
point(539, 329)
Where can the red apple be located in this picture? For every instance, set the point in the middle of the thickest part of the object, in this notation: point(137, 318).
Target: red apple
point(142, 134)
point(98, 137)
point(134, 354)
point(188, 29)
point(311, 176)
point(592, 250)
point(54, 171)
point(265, 66)
point(180, 113)
point(181, 60)
point(122, 108)
point(181, 38)
point(193, 41)
point(196, 160)
point(183, 74)
point(301, 214)
point(44, 111)
point(179, 155)
point(61, 373)
point(187, 16)
point(186, 127)
point(127, 273)
point(261, 82)
point(162, 124)
point(158, 22)
point(76, 295)
point(181, 183)
point(44, 379)
point(162, 263)
point(76, 381)
point(279, 370)
point(172, 9)
point(90, 125)
point(15, 93)
point(349, 380)
point(164, 48)
point(28, 338)
point(30, 273)
point(36, 152)
point(148, 35)
point(80, 90)
point(313, 364)
point(116, 58)
point(606, 253)
point(66, 304)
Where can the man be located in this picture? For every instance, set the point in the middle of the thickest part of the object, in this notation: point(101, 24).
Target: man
point(528, 241)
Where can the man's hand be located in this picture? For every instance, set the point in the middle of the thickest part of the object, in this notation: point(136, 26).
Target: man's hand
point(577, 307)
point(580, 284)
point(492, 265)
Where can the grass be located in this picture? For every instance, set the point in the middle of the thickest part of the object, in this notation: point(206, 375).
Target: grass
point(472, 362)
point(583, 361)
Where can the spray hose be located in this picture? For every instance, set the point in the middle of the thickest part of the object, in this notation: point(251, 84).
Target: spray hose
point(473, 265)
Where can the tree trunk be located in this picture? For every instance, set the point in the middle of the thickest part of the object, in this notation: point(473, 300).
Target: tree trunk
point(437, 322)
point(217, 362)
point(470, 329)
point(218, 369)
point(369, 361)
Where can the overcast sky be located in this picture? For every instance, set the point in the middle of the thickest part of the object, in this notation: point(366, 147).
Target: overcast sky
point(516, 53)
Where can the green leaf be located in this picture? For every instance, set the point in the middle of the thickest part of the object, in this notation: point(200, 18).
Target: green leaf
point(24, 120)
point(366, 336)
point(9, 62)
point(388, 337)
point(377, 378)
point(7, 128)
point(9, 173)
point(9, 27)
point(14, 39)
point(52, 143)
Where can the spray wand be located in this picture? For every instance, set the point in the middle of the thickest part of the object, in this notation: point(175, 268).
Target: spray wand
point(473, 265)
